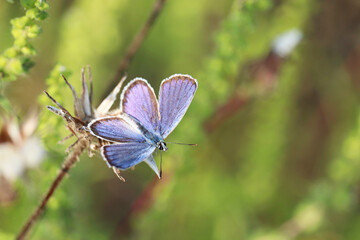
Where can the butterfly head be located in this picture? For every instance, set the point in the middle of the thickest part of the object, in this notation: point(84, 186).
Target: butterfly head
point(162, 146)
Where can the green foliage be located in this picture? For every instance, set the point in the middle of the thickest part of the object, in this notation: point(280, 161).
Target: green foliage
point(16, 60)
point(5, 105)
point(52, 127)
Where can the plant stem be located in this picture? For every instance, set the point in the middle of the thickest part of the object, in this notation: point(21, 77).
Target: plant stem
point(67, 165)
point(136, 43)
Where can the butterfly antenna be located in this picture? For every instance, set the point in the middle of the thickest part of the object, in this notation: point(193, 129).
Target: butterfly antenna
point(188, 144)
point(53, 109)
point(160, 164)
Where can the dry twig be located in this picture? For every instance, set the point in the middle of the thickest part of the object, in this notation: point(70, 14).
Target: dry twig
point(136, 43)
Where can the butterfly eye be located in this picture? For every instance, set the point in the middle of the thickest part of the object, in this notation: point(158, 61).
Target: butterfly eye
point(162, 146)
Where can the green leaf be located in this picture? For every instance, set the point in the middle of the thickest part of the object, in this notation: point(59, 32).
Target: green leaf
point(20, 22)
point(11, 52)
point(42, 5)
point(27, 64)
point(5, 105)
point(15, 67)
point(28, 3)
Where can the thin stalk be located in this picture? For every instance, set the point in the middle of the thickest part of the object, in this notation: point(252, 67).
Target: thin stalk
point(67, 165)
point(136, 43)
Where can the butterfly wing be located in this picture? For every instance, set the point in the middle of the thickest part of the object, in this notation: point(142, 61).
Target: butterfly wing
point(152, 164)
point(138, 100)
point(130, 147)
point(122, 128)
point(176, 94)
point(126, 155)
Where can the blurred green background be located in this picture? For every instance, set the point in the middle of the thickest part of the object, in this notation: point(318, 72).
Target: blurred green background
point(278, 137)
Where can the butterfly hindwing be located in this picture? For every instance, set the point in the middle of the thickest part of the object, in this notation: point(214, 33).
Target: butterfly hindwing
point(139, 100)
point(175, 96)
point(150, 161)
point(126, 155)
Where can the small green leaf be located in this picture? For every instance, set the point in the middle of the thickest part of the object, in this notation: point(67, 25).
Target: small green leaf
point(33, 31)
point(15, 67)
point(17, 33)
point(5, 104)
point(36, 14)
point(42, 5)
point(27, 64)
point(20, 41)
point(11, 52)
point(28, 3)
point(28, 50)
point(32, 13)
point(20, 22)
point(3, 62)
point(41, 16)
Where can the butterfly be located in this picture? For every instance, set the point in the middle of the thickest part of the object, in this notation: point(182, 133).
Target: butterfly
point(143, 122)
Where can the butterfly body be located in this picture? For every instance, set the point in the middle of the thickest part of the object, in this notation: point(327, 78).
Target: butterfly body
point(151, 137)
point(144, 121)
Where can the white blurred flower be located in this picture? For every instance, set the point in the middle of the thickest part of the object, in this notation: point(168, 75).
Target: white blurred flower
point(11, 163)
point(284, 43)
point(19, 149)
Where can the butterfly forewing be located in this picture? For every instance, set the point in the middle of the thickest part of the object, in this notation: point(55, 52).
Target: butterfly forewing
point(126, 155)
point(138, 99)
point(176, 94)
point(122, 128)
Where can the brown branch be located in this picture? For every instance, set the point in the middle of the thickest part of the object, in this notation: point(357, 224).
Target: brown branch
point(224, 112)
point(136, 43)
point(67, 165)
point(263, 74)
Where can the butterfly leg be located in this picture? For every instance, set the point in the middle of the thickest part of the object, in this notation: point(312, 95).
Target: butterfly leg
point(90, 152)
point(90, 147)
point(71, 146)
point(65, 138)
point(117, 172)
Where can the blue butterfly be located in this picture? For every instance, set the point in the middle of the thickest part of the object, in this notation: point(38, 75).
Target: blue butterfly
point(144, 122)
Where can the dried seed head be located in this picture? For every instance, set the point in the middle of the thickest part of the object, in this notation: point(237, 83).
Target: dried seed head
point(84, 112)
